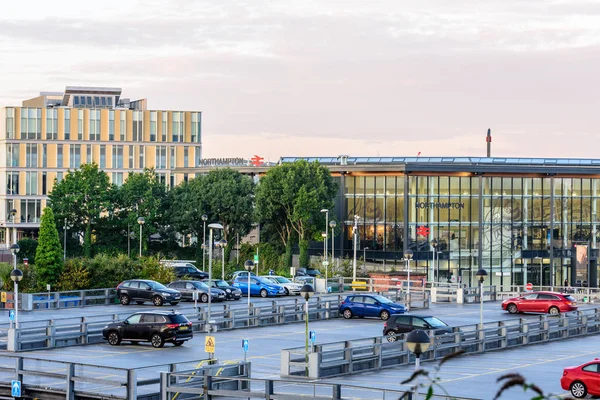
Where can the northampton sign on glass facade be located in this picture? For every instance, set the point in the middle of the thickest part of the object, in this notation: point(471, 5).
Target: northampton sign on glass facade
point(523, 220)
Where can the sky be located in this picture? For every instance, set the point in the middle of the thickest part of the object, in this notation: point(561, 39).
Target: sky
point(330, 77)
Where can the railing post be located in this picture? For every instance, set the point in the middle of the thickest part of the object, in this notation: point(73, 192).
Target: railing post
point(70, 389)
point(84, 330)
point(131, 384)
point(163, 385)
point(563, 323)
point(256, 313)
point(584, 324)
point(50, 333)
point(348, 355)
point(19, 369)
point(268, 388)
point(503, 333)
point(336, 391)
point(544, 328)
point(377, 351)
point(327, 310)
point(82, 297)
point(481, 338)
point(207, 386)
point(318, 308)
point(281, 312)
point(524, 331)
point(106, 296)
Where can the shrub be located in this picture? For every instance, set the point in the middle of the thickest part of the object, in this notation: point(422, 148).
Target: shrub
point(27, 250)
point(27, 284)
point(75, 276)
point(108, 271)
point(151, 268)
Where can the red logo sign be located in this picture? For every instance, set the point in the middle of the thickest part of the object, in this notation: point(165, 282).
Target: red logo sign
point(422, 230)
point(256, 161)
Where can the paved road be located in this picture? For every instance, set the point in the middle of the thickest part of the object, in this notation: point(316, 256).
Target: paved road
point(471, 376)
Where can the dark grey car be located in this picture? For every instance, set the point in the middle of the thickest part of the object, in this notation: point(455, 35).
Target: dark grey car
point(188, 287)
point(141, 290)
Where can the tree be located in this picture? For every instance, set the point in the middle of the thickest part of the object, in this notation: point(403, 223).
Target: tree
point(290, 196)
point(48, 256)
point(82, 197)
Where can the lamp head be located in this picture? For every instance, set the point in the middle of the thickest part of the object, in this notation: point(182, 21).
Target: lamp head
point(248, 265)
point(332, 224)
point(16, 275)
point(307, 291)
point(141, 220)
point(324, 234)
point(14, 248)
point(325, 210)
point(204, 217)
point(222, 243)
point(481, 274)
point(417, 342)
point(215, 226)
point(408, 254)
point(434, 242)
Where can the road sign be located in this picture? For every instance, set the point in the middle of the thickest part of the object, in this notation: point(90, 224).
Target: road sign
point(209, 344)
point(15, 390)
point(11, 315)
point(325, 263)
point(313, 336)
point(256, 259)
point(245, 344)
point(529, 286)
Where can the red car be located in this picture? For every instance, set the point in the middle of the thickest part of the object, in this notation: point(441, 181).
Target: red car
point(540, 302)
point(582, 380)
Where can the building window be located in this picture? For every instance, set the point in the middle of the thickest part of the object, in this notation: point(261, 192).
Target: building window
point(59, 176)
point(165, 120)
point(162, 177)
point(44, 155)
point(12, 155)
point(117, 155)
point(123, 126)
point(88, 156)
point(44, 183)
point(67, 124)
point(102, 156)
point(12, 183)
point(196, 127)
point(59, 156)
point(197, 156)
point(79, 124)
point(75, 156)
point(171, 181)
point(138, 126)
point(173, 159)
point(141, 158)
point(31, 123)
point(31, 210)
point(153, 122)
point(178, 126)
point(51, 124)
point(95, 125)
point(117, 178)
point(111, 124)
point(161, 157)
point(31, 183)
point(130, 156)
point(10, 123)
point(186, 153)
point(31, 155)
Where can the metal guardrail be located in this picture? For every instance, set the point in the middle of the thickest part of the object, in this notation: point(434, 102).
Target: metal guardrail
point(581, 294)
point(48, 379)
point(57, 300)
point(352, 356)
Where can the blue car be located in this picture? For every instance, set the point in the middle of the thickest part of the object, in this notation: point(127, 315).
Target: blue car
point(259, 287)
point(369, 305)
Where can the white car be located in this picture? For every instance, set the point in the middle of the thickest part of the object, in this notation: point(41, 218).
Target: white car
point(289, 286)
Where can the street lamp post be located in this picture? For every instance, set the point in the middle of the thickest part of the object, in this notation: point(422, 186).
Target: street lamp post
point(204, 218)
point(306, 292)
point(326, 236)
point(434, 244)
point(210, 257)
point(332, 225)
point(355, 238)
point(541, 271)
point(418, 342)
point(365, 259)
point(481, 274)
point(408, 255)
point(65, 245)
point(141, 221)
point(222, 244)
point(16, 275)
point(248, 266)
point(13, 213)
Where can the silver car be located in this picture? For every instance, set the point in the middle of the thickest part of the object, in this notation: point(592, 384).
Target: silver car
point(289, 286)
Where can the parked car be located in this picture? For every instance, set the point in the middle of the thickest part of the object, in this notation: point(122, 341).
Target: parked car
point(187, 289)
point(231, 293)
point(315, 273)
point(259, 287)
point(398, 324)
point(583, 379)
point(141, 290)
point(540, 302)
point(156, 327)
point(186, 270)
point(241, 274)
point(369, 305)
point(289, 286)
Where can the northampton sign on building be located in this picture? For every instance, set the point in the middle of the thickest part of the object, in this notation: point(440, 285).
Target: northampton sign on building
point(440, 205)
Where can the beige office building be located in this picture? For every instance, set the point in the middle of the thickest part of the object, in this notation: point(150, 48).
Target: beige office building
point(56, 132)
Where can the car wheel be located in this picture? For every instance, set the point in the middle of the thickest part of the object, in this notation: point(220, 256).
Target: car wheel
point(512, 308)
point(391, 336)
point(124, 299)
point(554, 311)
point(385, 315)
point(157, 341)
point(139, 302)
point(287, 292)
point(174, 303)
point(263, 293)
point(204, 298)
point(347, 313)
point(113, 338)
point(578, 390)
point(178, 343)
point(157, 301)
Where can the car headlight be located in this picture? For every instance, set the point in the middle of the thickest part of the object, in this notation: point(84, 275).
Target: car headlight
point(228, 290)
point(166, 294)
point(105, 327)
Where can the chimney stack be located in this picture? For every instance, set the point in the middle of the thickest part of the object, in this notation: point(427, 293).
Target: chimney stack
point(488, 139)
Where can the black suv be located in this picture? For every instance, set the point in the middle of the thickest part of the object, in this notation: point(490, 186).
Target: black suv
point(141, 290)
point(315, 273)
point(156, 327)
point(188, 270)
point(406, 323)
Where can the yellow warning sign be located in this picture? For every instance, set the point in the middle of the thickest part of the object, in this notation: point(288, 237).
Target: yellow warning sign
point(3, 299)
point(209, 344)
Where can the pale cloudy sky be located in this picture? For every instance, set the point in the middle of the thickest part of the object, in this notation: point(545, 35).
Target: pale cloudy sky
point(323, 78)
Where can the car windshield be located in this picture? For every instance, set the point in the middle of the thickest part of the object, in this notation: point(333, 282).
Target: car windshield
point(200, 285)
point(434, 322)
point(220, 284)
point(313, 272)
point(157, 286)
point(382, 300)
point(281, 279)
point(264, 281)
point(570, 298)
